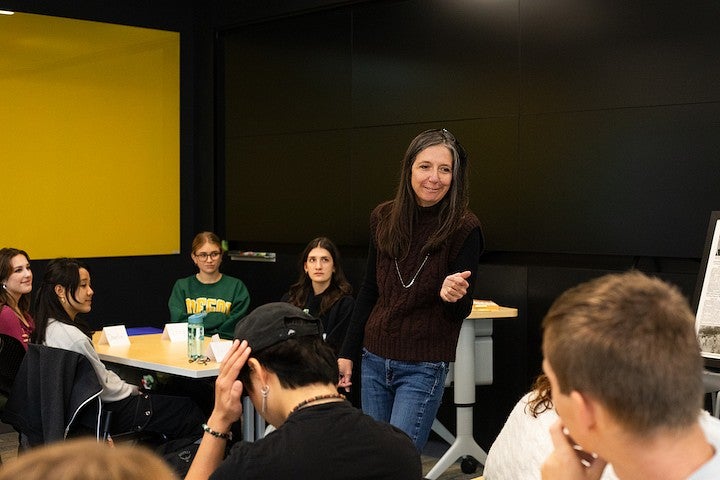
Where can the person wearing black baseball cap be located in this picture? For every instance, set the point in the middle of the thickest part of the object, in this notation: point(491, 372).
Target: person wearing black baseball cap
point(280, 360)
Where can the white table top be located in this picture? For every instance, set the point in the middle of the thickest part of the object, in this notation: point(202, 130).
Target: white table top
point(151, 352)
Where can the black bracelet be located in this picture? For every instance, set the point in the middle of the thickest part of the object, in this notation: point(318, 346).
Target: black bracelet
point(224, 436)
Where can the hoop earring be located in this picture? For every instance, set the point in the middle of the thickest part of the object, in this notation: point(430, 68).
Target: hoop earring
point(4, 287)
point(264, 391)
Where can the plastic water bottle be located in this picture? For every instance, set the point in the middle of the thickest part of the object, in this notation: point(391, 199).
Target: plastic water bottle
point(196, 335)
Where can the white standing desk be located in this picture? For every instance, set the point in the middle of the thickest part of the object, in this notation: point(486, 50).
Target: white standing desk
point(464, 381)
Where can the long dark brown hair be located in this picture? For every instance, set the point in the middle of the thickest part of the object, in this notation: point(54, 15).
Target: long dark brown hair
point(60, 271)
point(6, 255)
point(339, 286)
point(394, 230)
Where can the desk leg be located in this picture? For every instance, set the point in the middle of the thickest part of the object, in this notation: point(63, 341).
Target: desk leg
point(464, 388)
point(444, 433)
point(259, 426)
point(248, 420)
point(253, 424)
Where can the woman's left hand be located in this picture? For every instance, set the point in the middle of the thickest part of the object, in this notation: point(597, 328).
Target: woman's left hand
point(455, 286)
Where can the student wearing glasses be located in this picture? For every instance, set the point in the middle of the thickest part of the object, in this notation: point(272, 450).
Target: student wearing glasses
point(225, 299)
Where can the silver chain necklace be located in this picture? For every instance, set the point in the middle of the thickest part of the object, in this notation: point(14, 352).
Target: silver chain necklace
point(397, 269)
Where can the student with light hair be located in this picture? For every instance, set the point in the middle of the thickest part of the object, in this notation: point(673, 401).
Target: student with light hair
point(86, 459)
point(625, 372)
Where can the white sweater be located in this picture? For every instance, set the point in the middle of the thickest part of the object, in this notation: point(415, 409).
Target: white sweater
point(523, 445)
point(69, 337)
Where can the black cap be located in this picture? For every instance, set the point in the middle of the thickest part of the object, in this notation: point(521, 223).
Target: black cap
point(274, 323)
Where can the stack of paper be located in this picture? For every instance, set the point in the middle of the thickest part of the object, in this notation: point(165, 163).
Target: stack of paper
point(484, 305)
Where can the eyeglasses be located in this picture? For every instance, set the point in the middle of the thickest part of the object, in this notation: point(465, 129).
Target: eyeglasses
point(204, 256)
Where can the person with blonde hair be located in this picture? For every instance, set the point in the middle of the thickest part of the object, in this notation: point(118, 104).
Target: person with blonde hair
point(625, 372)
point(86, 459)
point(224, 299)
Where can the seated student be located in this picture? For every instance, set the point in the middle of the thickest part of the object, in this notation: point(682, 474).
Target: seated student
point(225, 299)
point(290, 375)
point(625, 372)
point(86, 459)
point(16, 278)
point(64, 294)
point(524, 442)
point(322, 290)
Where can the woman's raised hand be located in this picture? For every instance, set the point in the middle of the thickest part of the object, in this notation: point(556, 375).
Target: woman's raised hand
point(455, 286)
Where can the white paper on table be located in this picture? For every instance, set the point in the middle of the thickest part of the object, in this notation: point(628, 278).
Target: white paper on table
point(217, 349)
point(114, 336)
point(175, 332)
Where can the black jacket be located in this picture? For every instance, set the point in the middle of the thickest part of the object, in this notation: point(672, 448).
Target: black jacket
point(52, 389)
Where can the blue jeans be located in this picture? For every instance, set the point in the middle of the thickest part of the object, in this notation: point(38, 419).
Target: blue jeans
point(405, 394)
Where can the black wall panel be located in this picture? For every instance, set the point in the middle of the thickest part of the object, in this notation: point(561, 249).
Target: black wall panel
point(283, 199)
point(592, 127)
point(429, 60)
point(319, 108)
point(617, 54)
point(635, 181)
point(289, 75)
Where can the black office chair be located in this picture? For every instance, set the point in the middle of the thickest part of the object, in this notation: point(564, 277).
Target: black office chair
point(11, 356)
point(53, 389)
point(12, 353)
point(148, 439)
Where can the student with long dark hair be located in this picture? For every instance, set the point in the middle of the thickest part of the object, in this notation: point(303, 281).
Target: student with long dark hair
point(322, 289)
point(64, 295)
point(16, 278)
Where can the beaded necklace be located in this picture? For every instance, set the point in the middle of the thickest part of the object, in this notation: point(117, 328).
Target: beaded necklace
point(316, 398)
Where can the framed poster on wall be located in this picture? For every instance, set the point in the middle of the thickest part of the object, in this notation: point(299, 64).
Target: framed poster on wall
point(707, 295)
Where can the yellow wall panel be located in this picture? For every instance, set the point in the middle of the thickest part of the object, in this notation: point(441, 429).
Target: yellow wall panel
point(91, 143)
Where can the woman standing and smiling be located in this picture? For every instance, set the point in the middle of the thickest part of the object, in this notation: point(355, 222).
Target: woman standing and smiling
point(421, 268)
